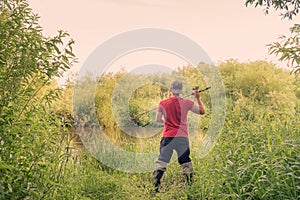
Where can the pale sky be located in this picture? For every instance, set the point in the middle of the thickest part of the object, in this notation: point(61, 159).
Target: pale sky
point(224, 29)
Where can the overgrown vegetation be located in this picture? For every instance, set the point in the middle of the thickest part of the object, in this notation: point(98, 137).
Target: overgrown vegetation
point(32, 160)
point(256, 157)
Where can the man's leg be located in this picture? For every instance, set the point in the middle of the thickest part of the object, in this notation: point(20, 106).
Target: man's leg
point(183, 151)
point(160, 168)
point(161, 164)
point(188, 171)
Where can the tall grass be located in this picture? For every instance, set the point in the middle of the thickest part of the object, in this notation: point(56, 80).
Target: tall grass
point(256, 157)
point(252, 160)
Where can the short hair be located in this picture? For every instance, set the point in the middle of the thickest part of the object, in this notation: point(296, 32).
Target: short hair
point(176, 87)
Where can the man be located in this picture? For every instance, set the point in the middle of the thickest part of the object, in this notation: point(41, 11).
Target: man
point(172, 112)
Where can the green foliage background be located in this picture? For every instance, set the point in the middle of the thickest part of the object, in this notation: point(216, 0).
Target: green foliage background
point(32, 159)
point(41, 157)
point(256, 157)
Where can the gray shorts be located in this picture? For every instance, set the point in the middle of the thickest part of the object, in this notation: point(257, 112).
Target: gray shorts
point(179, 144)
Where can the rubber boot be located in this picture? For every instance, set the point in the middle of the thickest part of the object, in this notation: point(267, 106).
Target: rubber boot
point(188, 171)
point(189, 178)
point(158, 174)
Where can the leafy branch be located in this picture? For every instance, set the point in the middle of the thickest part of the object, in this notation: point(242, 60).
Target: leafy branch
point(289, 8)
point(288, 49)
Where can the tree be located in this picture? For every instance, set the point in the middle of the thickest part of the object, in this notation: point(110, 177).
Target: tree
point(31, 160)
point(288, 48)
point(259, 87)
point(288, 8)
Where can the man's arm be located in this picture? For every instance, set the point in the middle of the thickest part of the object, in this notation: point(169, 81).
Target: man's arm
point(198, 109)
point(159, 118)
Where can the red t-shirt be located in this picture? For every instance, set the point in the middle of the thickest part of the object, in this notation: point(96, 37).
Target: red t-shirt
point(175, 110)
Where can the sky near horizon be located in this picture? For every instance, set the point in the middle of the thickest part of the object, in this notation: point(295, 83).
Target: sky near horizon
point(224, 29)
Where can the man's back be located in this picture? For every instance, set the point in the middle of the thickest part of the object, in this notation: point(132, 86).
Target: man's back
point(175, 111)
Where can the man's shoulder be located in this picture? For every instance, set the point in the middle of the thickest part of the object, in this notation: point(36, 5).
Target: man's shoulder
point(180, 100)
point(187, 100)
point(165, 100)
point(189, 103)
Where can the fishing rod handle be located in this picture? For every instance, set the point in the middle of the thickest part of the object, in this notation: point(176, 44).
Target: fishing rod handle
point(202, 90)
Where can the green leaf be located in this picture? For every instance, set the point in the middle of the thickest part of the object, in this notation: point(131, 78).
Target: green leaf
point(4, 166)
point(70, 52)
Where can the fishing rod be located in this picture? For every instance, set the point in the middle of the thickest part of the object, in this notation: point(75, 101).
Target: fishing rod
point(197, 88)
point(194, 88)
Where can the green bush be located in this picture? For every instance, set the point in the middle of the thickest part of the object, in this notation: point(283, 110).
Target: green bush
point(32, 159)
point(259, 84)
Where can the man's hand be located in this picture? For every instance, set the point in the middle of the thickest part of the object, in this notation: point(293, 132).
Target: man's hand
point(196, 94)
point(200, 108)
